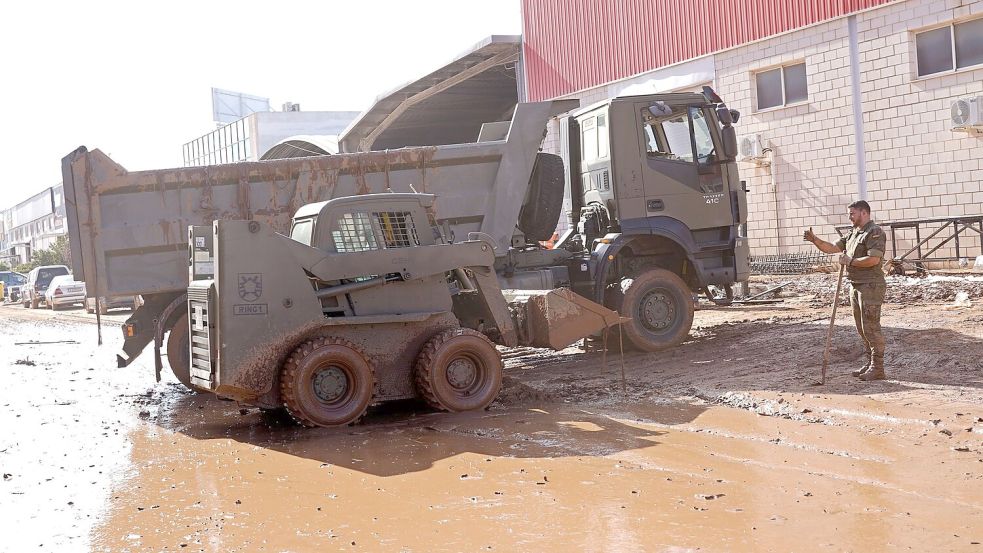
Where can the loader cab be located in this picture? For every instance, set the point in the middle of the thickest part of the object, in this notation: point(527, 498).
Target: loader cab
point(366, 222)
point(655, 156)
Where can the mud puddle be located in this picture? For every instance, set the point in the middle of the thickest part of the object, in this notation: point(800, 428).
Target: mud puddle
point(553, 477)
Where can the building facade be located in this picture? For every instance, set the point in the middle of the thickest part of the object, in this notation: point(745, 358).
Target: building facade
point(840, 99)
point(32, 225)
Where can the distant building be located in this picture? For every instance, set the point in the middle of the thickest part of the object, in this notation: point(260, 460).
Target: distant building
point(32, 225)
point(251, 137)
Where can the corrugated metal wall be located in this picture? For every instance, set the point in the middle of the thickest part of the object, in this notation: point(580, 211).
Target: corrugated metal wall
point(570, 45)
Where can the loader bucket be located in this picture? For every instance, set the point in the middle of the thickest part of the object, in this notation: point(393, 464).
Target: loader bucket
point(557, 318)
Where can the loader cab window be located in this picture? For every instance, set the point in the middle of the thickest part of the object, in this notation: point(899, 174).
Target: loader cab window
point(594, 139)
point(667, 130)
point(353, 232)
point(303, 230)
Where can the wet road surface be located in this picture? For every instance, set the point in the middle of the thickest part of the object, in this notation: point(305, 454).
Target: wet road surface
point(103, 459)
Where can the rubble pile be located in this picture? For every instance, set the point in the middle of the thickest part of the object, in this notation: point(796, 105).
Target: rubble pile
point(900, 289)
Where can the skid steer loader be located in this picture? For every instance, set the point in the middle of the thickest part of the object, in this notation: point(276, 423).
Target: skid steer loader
point(365, 301)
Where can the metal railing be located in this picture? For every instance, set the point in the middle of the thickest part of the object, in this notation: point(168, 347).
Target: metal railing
point(949, 230)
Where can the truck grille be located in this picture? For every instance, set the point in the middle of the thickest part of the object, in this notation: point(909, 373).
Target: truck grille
point(202, 352)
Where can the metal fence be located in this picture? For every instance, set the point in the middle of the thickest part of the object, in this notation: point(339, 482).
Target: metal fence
point(789, 263)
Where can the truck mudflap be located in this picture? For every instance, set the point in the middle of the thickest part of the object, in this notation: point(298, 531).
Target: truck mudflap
point(557, 318)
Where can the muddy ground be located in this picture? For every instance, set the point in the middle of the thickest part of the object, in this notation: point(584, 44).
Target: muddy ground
point(721, 444)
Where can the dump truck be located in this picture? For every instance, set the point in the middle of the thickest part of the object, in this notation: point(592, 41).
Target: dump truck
point(656, 208)
point(365, 301)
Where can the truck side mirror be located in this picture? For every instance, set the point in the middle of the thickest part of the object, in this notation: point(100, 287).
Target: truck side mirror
point(729, 136)
point(724, 115)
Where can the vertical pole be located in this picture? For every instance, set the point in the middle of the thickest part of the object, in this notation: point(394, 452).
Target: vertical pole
point(918, 239)
point(955, 226)
point(858, 110)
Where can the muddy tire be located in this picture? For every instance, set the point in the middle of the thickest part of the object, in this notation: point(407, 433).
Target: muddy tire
point(327, 382)
point(34, 303)
point(541, 212)
point(661, 308)
point(179, 352)
point(459, 370)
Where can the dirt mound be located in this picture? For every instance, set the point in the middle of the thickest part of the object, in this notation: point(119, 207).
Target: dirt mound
point(515, 393)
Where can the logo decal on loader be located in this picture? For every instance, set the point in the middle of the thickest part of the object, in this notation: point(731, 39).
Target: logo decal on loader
point(250, 286)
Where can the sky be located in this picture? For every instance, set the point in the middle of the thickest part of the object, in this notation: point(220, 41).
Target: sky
point(134, 79)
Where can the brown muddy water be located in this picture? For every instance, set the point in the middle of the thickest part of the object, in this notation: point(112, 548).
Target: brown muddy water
point(96, 458)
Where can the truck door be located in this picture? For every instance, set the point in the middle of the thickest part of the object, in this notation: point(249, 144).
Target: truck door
point(680, 174)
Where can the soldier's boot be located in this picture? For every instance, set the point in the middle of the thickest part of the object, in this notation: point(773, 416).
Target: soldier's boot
point(876, 371)
point(863, 368)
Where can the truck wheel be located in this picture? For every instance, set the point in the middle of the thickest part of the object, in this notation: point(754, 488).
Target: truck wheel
point(34, 303)
point(459, 370)
point(540, 214)
point(327, 382)
point(660, 306)
point(179, 352)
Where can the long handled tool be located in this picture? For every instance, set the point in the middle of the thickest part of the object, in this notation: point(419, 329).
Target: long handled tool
point(832, 322)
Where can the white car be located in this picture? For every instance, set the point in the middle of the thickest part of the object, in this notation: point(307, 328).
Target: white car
point(64, 290)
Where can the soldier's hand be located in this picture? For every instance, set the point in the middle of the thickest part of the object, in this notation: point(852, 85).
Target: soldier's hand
point(809, 236)
point(845, 259)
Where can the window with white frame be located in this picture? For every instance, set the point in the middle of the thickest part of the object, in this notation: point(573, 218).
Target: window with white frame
point(781, 86)
point(955, 46)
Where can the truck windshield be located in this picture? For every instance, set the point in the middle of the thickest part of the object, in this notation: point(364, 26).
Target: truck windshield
point(302, 231)
point(701, 132)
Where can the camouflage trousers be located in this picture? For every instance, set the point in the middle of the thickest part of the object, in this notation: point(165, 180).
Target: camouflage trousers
point(866, 300)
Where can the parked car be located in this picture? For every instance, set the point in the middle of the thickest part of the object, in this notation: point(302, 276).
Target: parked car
point(11, 280)
point(113, 302)
point(64, 291)
point(32, 292)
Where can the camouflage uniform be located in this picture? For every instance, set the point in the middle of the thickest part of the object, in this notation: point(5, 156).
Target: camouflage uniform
point(867, 289)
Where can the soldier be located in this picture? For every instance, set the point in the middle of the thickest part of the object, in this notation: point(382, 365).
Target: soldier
point(863, 248)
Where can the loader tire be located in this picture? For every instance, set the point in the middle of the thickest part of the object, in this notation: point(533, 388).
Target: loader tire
point(35, 303)
point(179, 352)
point(541, 212)
point(459, 370)
point(327, 382)
point(660, 306)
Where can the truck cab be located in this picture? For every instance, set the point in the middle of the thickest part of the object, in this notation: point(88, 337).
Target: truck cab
point(654, 187)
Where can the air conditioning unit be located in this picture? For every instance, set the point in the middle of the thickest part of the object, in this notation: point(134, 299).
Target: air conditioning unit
point(966, 114)
point(752, 149)
point(290, 106)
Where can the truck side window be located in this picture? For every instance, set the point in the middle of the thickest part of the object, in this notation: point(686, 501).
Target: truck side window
point(602, 137)
point(668, 137)
point(588, 139)
point(594, 141)
point(677, 135)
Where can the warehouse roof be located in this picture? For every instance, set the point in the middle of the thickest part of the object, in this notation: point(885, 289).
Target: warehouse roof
point(446, 106)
